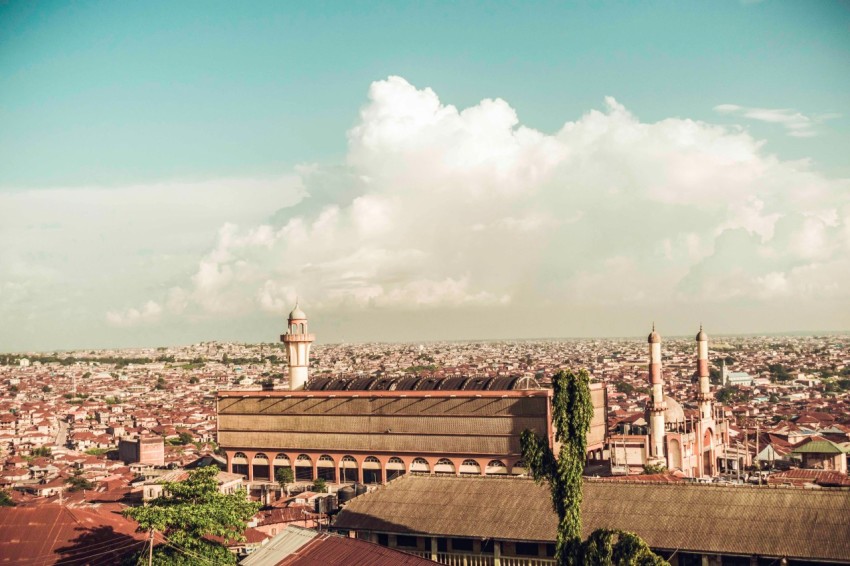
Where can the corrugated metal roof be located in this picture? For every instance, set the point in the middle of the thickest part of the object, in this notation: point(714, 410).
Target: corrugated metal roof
point(742, 520)
point(818, 447)
point(329, 550)
point(298, 546)
point(288, 541)
point(49, 533)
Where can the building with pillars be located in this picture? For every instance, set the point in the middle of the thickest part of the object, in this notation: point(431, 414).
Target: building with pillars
point(371, 430)
point(692, 445)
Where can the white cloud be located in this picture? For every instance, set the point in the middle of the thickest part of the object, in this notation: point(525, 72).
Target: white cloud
point(440, 209)
point(796, 124)
point(149, 313)
point(469, 207)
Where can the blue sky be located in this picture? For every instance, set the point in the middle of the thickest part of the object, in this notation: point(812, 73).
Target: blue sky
point(119, 107)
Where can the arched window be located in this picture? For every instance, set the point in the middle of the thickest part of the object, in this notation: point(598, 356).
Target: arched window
point(280, 461)
point(239, 463)
point(260, 467)
point(371, 470)
point(519, 468)
point(395, 468)
point(495, 467)
point(326, 469)
point(420, 465)
point(348, 470)
point(470, 467)
point(303, 468)
point(444, 466)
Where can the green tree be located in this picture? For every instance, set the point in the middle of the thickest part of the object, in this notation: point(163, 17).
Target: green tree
point(572, 411)
point(654, 469)
point(778, 372)
point(320, 486)
point(6, 499)
point(283, 476)
point(46, 389)
point(78, 482)
point(42, 451)
point(190, 511)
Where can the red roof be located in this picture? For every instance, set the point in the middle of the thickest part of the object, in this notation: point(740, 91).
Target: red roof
point(47, 534)
point(666, 477)
point(331, 550)
point(826, 478)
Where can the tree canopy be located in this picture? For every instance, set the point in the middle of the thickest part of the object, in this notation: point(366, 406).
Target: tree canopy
point(190, 512)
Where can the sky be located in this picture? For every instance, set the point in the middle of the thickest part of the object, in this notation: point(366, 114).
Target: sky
point(176, 172)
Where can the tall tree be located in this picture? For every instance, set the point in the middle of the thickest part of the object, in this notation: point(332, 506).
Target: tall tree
point(191, 511)
point(572, 411)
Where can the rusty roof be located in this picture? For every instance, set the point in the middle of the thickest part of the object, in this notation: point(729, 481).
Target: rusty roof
point(50, 533)
point(299, 546)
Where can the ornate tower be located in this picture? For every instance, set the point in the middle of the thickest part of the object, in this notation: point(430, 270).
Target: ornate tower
point(704, 395)
point(657, 405)
point(298, 342)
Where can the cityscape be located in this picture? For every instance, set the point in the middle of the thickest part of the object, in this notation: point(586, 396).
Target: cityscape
point(470, 283)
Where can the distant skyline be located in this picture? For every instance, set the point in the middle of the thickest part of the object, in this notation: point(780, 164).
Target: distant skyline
point(176, 173)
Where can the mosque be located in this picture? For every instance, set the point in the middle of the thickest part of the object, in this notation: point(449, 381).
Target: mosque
point(666, 437)
point(371, 430)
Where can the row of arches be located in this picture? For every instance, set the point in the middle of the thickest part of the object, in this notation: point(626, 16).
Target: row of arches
point(370, 469)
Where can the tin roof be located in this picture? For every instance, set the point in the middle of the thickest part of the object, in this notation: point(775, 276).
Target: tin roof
point(49, 533)
point(297, 546)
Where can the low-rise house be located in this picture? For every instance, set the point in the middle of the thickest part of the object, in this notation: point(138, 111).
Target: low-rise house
point(154, 487)
point(821, 454)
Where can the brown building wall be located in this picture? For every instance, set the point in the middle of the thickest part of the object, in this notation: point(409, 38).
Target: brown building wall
point(145, 450)
point(483, 427)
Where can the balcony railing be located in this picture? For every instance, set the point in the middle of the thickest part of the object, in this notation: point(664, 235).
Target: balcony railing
point(464, 559)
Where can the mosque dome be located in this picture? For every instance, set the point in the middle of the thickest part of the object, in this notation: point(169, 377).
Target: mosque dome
point(297, 313)
point(674, 413)
point(702, 336)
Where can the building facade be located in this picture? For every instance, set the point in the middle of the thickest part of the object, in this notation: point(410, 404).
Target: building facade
point(668, 438)
point(371, 430)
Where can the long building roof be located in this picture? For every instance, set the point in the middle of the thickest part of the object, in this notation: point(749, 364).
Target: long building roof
point(739, 520)
point(414, 383)
point(486, 422)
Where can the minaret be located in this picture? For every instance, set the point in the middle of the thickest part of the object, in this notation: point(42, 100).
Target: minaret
point(657, 406)
point(297, 342)
point(704, 395)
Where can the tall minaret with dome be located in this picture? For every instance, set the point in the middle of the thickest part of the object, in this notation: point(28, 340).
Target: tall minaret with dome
point(298, 341)
point(658, 403)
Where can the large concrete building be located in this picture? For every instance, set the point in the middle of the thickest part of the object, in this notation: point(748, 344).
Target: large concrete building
point(371, 430)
